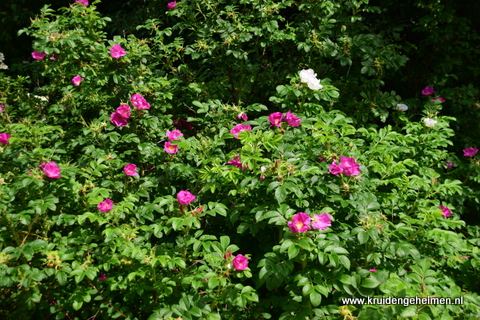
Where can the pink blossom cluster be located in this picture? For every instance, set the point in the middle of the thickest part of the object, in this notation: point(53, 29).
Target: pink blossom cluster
point(116, 51)
point(240, 262)
point(301, 222)
point(41, 55)
point(38, 55)
point(130, 170)
point(120, 116)
point(76, 80)
point(84, 2)
point(439, 99)
point(276, 119)
point(470, 152)
point(4, 138)
point(446, 211)
point(240, 128)
point(236, 162)
point(428, 91)
point(171, 5)
point(172, 135)
point(185, 197)
point(105, 205)
point(347, 166)
point(243, 116)
point(139, 102)
point(50, 169)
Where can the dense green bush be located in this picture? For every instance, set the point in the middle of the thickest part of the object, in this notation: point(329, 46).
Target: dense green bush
point(144, 171)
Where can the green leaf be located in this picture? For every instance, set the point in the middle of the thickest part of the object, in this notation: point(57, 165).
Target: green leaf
point(410, 311)
point(195, 311)
point(306, 243)
point(61, 277)
point(315, 298)
point(345, 261)
point(280, 194)
point(362, 237)
point(5, 281)
point(225, 241)
point(293, 251)
point(77, 304)
point(370, 283)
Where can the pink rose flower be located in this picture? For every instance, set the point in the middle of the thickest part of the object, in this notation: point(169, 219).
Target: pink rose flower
point(240, 128)
point(38, 55)
point(174, 135)
point(350, 166)
point(84, 2)
point(449, 164)
point(53, 57)
point(51, 170)
point(172, 5)
point(438, 98)
point(4, 138)
point(185, 197)
point(76, 80)
point(243, 116)
point(335, 168)
point(446, 211)
point(428, 91)
point(117, 51)
point(300, 222)
point(170, 148)
point(292, 120)
point(275, 119)
point(118, 120)
point(237, 163)
point(130, 170)
point(124, 111)
point(1, 108)
point(139, 102)
point(372, 270)
point(321, 221)
point(240, 262)
point(106, 205)
point(470, 152)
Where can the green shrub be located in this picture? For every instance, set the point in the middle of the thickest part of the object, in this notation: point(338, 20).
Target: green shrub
point(109, 212)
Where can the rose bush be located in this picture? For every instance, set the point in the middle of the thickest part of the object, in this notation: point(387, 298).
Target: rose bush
point(279, 223)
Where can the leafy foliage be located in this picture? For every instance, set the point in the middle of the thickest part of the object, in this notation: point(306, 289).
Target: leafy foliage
point(203, 68)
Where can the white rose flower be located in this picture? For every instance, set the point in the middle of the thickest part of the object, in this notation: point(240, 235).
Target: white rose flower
point(402, 107)
point(41, 98)
point(429, 122)
point(307, 75)
point(310, 78)
point(315, 85)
